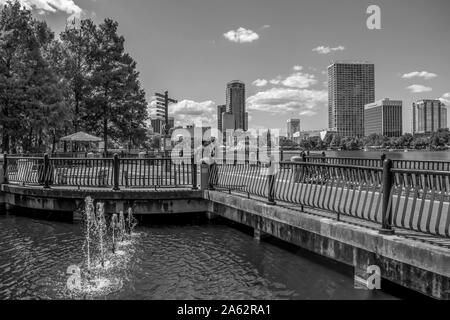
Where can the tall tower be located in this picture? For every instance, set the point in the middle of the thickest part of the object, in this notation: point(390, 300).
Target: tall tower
point(220, 111)
point(236, 104)
point(351, 86)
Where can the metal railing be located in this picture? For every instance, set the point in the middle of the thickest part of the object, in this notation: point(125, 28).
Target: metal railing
point(394, 198)
point(112, 173)
point(374, 162)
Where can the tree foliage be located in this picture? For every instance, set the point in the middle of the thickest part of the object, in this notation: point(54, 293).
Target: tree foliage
point(84, 80)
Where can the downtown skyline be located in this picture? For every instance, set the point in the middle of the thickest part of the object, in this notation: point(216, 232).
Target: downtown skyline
point(281, 51)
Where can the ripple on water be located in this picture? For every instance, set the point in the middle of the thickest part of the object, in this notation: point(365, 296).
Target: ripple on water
point(161, 262)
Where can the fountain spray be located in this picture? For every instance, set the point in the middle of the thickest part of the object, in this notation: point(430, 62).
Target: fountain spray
point(89, 212)
point(114, 227)
point(121, 225)
point(101, 226)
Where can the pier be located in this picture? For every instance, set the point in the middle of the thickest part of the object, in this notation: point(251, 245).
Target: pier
point(391, 214)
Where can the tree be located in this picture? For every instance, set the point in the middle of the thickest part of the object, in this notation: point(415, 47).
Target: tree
point(77, 43)
point(31, 103)
point(117, 105)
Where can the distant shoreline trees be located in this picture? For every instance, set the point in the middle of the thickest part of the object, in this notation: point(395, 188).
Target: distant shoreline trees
point(51, 87)
point(436, 141)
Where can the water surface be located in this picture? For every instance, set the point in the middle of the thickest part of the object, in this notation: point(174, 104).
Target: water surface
point(205, 261)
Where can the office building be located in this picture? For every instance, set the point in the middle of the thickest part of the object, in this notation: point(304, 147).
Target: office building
point(351, 86)
point(220, 111)
point(384, 117)
point(157, 125)
point(293, 126)
point(235, 95)
point(429, 116)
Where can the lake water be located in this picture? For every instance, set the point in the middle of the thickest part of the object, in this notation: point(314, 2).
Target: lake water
point(191, 261)
point(411, 155)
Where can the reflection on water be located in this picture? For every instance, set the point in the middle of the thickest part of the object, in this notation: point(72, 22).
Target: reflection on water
point(167, 262)
point(411, 155)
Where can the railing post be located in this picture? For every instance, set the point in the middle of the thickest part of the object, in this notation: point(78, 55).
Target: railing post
point(388, 182)
point(194, 174)
point(46, 172)
point(116, 172)
point(5, 169)
point(383, 159)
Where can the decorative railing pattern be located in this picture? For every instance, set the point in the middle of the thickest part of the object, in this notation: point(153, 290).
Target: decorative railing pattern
point(104, 173)
point(80, 172)
point(156, 172)
point(346, 190)
point(400, 198)
point(420, 201)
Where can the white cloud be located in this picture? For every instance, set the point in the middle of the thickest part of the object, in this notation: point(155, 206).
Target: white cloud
point(418, 88)
point(300, 80)
point(266, 26)
point(276, 81)
point(241, 35)
point(327, 50)
point(445, 99)
point(297, 80)
point(52, 6)
point(260, 83)
point(416, 74)
point(287, 100)
point(191, 112)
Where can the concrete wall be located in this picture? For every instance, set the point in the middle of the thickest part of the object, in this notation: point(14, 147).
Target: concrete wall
point(416, 265)
point(149, 202)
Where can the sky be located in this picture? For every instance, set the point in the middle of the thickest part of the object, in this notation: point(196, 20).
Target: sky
point(281, 49)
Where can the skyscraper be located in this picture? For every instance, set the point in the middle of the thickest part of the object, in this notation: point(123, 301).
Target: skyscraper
point(351, 85)
point(293, 126)
point(429, 116)
point(220, 111)
point(235, 95)
point(384, 117)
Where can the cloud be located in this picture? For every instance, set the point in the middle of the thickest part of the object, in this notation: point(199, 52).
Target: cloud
point(418, 88)
point(52, 6)
point(266, 26)
point(300, 80)
point(445, 99)
point(297, 80)
point(241, 35)
point(192, 112)
point(260, 83)
point(416, 74)
point(287, 100)
point(327, 50)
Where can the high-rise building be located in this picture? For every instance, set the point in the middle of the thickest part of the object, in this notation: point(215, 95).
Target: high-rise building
point(429, 116)
point(236, 104)
point(293, 126)
point(220, 111)
point(351, 85)
point(157, 125)
point(384, 117)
